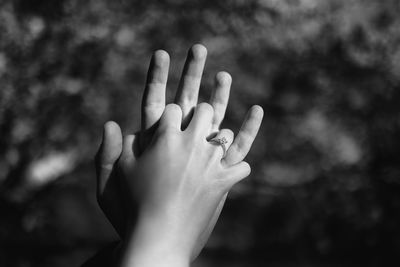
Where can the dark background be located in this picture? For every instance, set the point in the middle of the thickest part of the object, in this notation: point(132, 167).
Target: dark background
point(325, 188)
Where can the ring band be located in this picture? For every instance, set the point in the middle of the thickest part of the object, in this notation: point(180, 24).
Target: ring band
point(222, 142)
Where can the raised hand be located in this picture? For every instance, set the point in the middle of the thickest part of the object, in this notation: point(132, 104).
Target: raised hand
point(182, 180)
point(110, 193)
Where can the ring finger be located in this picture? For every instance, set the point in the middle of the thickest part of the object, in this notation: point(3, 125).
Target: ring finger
point(223, 139)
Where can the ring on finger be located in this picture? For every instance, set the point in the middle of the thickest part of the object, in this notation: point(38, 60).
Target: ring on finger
point(221, 142)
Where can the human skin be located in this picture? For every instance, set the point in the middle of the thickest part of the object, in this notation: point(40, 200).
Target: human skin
point(110, 194)
point(182, 180)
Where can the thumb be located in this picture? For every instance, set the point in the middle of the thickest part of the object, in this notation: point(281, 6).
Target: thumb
point(108, 153)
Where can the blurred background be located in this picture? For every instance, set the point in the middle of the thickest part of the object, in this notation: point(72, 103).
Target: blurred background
point(325, 188)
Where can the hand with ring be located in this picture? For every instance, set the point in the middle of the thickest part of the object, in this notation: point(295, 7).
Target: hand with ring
point(182, 180)
point(111, 195)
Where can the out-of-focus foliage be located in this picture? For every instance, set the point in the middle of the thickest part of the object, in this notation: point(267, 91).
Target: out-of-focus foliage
point(326, 165)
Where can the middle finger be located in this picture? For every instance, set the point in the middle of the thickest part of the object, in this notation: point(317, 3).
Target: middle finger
point(188, 90)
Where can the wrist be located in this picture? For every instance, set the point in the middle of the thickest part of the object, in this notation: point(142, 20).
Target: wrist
point(152, 243)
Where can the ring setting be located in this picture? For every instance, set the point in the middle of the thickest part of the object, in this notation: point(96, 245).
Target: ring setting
point(222, 142)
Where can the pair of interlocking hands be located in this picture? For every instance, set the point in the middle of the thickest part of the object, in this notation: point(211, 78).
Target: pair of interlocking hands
point(163, 188)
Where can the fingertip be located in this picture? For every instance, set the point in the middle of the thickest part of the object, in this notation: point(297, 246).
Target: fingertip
point(161, 57)
point(257, 111)
point(202, 119)
point(110, 149)
point(205, 107)
point(172, 116)
point(112, 139)
point(172, 107)
point(223, 78)
point(198, 51)
point(110, 125)
point(228, 132)
point(111, 128)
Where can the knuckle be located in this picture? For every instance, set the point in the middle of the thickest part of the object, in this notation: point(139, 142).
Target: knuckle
point(168, 132)
point(242, 147)
point(153, 111)
point(245, 143)
point(153, 107)
point(107, 167)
